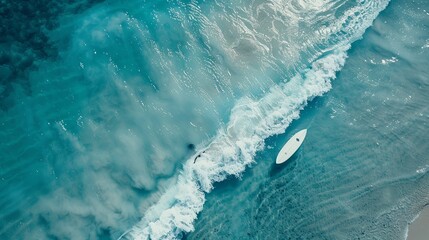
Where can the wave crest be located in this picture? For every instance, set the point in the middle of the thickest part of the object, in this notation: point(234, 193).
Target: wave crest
point(234, 147)
point(251, 122)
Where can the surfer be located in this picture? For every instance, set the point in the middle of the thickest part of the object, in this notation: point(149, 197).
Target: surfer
point(199, 155)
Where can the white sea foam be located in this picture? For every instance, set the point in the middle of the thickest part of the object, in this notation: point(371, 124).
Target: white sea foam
point(422, 170)
point(251, 121)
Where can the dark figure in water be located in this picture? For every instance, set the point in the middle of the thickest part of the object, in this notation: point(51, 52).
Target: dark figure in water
point(191, 146)
point(199, 155)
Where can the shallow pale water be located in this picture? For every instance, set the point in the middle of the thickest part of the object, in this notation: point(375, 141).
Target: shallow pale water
point(102, 123)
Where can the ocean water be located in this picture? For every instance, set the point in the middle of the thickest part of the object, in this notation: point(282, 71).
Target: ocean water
point(105, 105)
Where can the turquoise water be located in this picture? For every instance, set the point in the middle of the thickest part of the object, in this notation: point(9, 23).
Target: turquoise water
point(362, 171)
point(106, 105)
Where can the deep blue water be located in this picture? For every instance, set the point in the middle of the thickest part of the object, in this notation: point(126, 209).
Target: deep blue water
point(105, 105)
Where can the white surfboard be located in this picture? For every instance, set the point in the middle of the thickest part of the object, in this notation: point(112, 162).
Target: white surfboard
point(291, 146)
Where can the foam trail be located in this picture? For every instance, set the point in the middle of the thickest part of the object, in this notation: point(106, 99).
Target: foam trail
point(251, 121)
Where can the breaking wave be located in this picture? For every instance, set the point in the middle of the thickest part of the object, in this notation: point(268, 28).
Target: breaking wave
point(251, 121)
